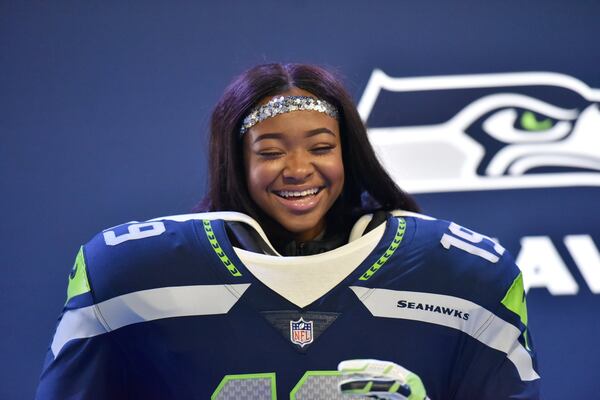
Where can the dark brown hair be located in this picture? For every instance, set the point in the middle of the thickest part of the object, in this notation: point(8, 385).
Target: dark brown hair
point(367, 186)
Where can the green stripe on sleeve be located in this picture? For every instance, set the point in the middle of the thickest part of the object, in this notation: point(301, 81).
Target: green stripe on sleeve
point(78, 280)
point(514, 299)
point(516, 302)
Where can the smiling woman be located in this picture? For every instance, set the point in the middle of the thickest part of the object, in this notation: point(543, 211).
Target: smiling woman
point(308, 268)
point(288, 148)
point(294, 168)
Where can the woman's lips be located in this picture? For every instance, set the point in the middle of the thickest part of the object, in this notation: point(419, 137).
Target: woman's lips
point(300, 204)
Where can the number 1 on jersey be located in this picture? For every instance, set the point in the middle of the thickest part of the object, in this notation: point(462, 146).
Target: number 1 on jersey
point(471, 242)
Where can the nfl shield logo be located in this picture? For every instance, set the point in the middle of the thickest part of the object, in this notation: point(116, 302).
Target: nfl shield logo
point(301, 332)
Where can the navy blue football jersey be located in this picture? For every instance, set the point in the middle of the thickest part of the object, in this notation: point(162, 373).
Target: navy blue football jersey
point(168, 308)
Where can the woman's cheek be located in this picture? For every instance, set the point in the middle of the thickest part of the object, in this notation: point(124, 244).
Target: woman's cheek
point(333, 169)
point(263, 174)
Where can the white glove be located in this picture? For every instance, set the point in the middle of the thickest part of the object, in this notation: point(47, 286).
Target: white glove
point(380, 380)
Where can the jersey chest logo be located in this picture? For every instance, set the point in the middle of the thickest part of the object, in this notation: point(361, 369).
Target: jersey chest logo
point(300, 329)
point(301, 332)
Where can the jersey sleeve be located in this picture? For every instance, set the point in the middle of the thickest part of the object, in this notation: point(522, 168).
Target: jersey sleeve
point(496, 358)
point(96, 351)
point(506, 366)
point(82, 362)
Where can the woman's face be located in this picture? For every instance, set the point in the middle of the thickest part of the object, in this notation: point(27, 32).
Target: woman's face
point(294, 168)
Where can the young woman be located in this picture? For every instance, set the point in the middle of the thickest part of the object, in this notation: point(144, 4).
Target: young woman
point(309, 258)
point(251, 165)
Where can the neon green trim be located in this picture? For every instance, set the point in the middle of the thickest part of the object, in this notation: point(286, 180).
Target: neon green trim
point(218, 250)
point(530, 122)
point(227, 378)
point(417, 390)
point(307, 375)
point(78, 280)
point(515, 301)
point(388, 253)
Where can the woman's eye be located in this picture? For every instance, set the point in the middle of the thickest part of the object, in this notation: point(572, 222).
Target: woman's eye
point(270, 154)
point(322, 149)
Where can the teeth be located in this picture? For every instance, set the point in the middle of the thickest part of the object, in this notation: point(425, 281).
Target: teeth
point(289, 193)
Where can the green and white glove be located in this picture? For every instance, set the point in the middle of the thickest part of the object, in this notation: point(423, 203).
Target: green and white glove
point(380, 380)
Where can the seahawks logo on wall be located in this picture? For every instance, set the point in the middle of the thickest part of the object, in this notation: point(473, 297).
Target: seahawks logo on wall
point(482, 132)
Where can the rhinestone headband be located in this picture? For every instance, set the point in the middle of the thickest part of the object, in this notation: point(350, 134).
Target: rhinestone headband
point(286, 104)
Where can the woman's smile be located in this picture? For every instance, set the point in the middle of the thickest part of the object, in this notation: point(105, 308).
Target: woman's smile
point(299, 201)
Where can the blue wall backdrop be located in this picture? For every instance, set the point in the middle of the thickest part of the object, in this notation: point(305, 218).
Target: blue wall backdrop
point(104, 108)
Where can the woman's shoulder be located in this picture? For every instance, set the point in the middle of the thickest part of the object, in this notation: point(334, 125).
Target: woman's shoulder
point(458, 258)
point(142, 255)
point(449, 235)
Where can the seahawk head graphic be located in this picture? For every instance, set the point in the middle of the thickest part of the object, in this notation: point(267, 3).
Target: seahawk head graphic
point(488, 131)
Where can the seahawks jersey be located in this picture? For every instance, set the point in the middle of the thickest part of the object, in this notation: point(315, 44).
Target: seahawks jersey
point(168, 308)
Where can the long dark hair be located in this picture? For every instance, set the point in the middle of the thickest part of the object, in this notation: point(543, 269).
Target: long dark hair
point(367, 187)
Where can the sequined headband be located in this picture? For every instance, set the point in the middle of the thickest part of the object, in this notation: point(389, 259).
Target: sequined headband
point(286, 104)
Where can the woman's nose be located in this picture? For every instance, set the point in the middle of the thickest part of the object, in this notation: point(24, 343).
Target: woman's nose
point(298, 167)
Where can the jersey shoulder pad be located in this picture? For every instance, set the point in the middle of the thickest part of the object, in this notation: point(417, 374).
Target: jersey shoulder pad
point(464, 261)
point(442, 235)
point(146, 255)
